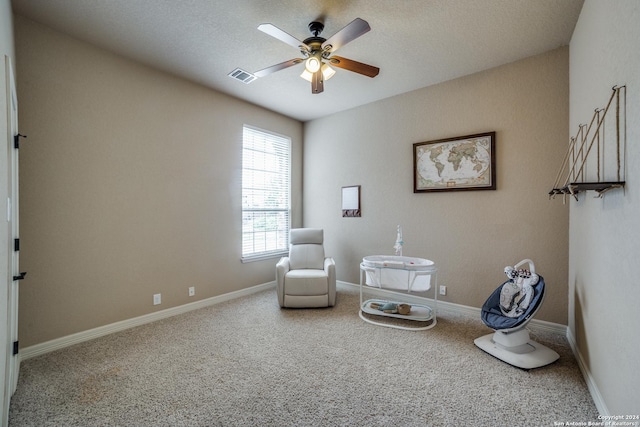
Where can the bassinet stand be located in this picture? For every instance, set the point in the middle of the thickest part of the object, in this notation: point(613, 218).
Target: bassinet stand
point(419, 312)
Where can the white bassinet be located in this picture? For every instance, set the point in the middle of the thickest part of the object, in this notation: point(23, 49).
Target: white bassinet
point(398, 274)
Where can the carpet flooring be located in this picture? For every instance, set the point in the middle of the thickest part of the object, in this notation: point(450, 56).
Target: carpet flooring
point(247, 362)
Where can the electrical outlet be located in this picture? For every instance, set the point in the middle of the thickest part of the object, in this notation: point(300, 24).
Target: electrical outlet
point(157, 299)
point(192, 291)
point(443, 290)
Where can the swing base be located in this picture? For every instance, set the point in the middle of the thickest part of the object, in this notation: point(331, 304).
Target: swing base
point(517, 350)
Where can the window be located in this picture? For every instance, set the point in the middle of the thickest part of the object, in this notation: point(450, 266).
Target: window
point(266, 190)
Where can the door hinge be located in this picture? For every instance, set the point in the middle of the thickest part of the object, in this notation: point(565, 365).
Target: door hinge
point(16, 245)
point(16, 347)
point(16, 140)
point(20, 276)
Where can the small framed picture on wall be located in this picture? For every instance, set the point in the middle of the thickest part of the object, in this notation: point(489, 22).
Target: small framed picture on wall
point(351, 201)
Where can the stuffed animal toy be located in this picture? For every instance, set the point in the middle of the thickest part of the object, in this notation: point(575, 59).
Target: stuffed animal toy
point(404, 309)
point(517, 293)
point(392, 308)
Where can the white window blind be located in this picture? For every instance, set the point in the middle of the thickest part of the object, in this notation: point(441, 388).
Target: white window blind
point(266, 190)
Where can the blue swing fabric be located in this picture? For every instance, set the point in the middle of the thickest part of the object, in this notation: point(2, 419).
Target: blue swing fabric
point(493, 317)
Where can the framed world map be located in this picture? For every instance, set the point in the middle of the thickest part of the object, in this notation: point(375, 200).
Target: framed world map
point(461, 163)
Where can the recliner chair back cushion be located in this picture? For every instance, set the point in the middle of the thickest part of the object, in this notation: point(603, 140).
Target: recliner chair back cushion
point(306, 250)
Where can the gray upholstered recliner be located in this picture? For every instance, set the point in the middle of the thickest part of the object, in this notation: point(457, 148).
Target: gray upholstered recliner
point(306, 278)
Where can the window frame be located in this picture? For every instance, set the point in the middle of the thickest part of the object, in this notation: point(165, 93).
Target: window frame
point(283, 249)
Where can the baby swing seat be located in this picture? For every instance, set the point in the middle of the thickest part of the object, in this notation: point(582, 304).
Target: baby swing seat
point(507, 311)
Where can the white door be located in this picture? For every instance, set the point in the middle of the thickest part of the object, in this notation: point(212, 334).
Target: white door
point(14, 358)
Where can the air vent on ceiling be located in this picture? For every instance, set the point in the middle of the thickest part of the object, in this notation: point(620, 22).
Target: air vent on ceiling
point(242, 75)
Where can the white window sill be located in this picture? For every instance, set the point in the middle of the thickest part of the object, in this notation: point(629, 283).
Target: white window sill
point(262, 257)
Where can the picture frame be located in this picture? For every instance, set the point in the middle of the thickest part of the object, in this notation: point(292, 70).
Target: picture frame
point(351, 201)
point(455, 164)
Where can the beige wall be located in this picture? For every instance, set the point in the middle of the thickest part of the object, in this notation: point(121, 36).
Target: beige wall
point(130, 186)
point(471, 235)
point(604, 247)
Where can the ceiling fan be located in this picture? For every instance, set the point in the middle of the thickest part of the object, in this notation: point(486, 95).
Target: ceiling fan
point(317, 53)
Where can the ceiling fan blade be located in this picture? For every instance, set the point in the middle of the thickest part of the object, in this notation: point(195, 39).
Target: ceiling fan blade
point(317, 84)
point(281, 35)
point(355, 66)
point(352, 31)
point(277, 67)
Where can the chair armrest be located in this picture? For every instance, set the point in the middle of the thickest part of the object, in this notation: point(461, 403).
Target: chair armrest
point(330, 268)
point(329, 264)
point(282, 268)
point(283, 263)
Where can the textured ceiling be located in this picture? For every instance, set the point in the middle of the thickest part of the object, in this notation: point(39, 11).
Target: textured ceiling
point(415, 43)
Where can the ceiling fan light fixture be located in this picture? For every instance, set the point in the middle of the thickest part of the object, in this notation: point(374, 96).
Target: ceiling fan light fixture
point(306, 75)
point(312, 64)
point(327, 72)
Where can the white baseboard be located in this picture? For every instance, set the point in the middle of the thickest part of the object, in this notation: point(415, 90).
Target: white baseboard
point(540, 325)
point(59, 343)
point(588, 378)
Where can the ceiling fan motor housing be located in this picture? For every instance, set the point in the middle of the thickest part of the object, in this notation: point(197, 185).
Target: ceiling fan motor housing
point(316, 28)
point(315, 46)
